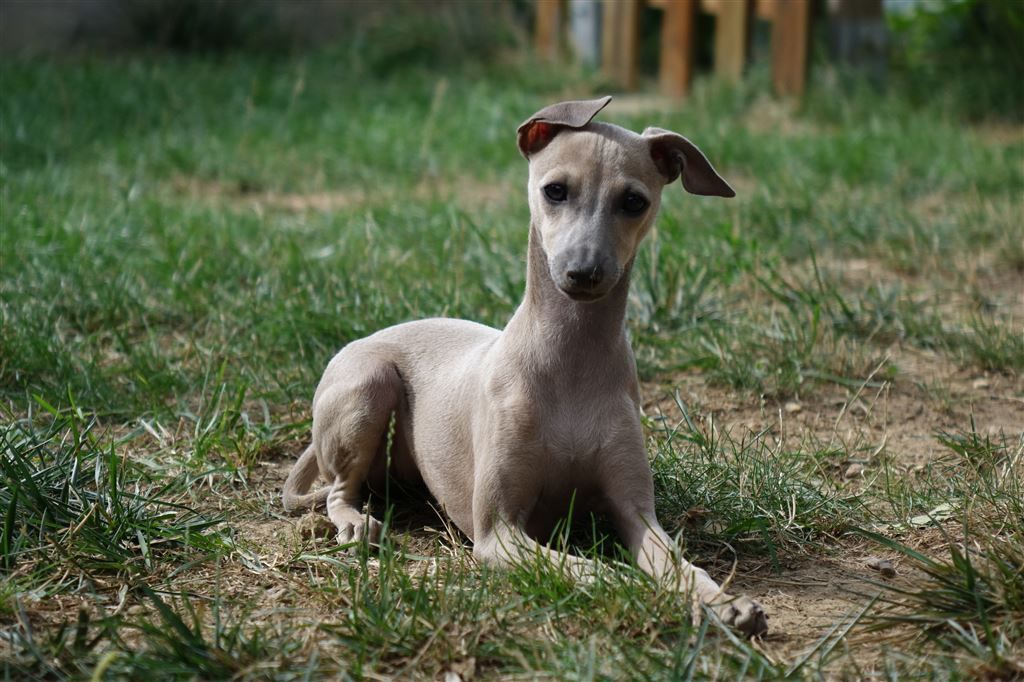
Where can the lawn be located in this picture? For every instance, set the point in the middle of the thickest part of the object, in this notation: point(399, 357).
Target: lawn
point(832, 368)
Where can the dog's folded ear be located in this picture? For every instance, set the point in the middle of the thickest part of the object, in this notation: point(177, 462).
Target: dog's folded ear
point(674, 155)
point(537, 131)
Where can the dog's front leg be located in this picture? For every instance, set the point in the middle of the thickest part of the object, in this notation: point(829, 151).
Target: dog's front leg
point(504, 494)
point(506, 546)
point(658, 556)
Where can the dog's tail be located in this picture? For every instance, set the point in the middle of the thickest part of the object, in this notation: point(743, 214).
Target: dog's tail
point(296, 495)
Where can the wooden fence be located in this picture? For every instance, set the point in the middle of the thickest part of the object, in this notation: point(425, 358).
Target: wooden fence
point(620, 33)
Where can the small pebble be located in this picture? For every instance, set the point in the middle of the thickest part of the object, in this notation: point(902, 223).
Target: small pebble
point(792, 408)
point(883, 566)
point(854, 470)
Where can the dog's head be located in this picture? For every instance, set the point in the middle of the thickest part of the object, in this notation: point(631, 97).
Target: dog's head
point(595, 190)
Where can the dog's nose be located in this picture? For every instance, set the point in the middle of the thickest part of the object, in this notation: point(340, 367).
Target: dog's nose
point(585, 279)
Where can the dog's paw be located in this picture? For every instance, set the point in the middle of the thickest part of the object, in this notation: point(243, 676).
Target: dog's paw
point(366, 529)
point(742, 614)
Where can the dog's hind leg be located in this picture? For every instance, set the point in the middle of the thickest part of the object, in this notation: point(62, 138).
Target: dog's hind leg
point(351, 413)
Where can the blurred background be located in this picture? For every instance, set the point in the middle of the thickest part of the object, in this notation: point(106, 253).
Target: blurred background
point(287, 168)
point(968, 50)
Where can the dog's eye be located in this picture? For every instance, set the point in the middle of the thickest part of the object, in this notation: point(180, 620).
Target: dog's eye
point(556, 192)
point(634, 204)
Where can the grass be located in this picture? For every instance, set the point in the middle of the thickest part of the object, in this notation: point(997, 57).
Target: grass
point(970, 602)
point(186, 241)
point(758, 496)
point(73, 504)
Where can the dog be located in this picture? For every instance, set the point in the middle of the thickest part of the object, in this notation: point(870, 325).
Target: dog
point(506, 428)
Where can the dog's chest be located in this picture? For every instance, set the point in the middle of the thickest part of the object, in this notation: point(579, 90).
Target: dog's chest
point(582, 431)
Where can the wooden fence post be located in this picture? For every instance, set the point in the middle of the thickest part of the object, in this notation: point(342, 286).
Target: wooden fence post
point(620, 31)
point(730, 39)
point(676, 66)
point(789, 45)
point(548, 36)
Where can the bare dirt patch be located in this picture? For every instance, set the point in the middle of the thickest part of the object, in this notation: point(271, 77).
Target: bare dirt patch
point(1000, 134)
point(465, 191)
point(899, 418)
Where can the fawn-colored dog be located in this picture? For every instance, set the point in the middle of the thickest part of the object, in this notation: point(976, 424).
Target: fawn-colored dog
point(507, 427)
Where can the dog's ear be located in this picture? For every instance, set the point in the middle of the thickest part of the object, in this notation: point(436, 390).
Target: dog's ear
point(537, 131)
point(674, 155)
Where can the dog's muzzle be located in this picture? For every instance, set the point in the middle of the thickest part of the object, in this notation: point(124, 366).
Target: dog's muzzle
point(587, 283)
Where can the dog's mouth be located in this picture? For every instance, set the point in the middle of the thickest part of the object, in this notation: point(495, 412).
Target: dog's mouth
point(584, 296)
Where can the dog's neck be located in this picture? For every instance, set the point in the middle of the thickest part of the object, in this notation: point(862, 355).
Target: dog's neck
point(567, 329)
